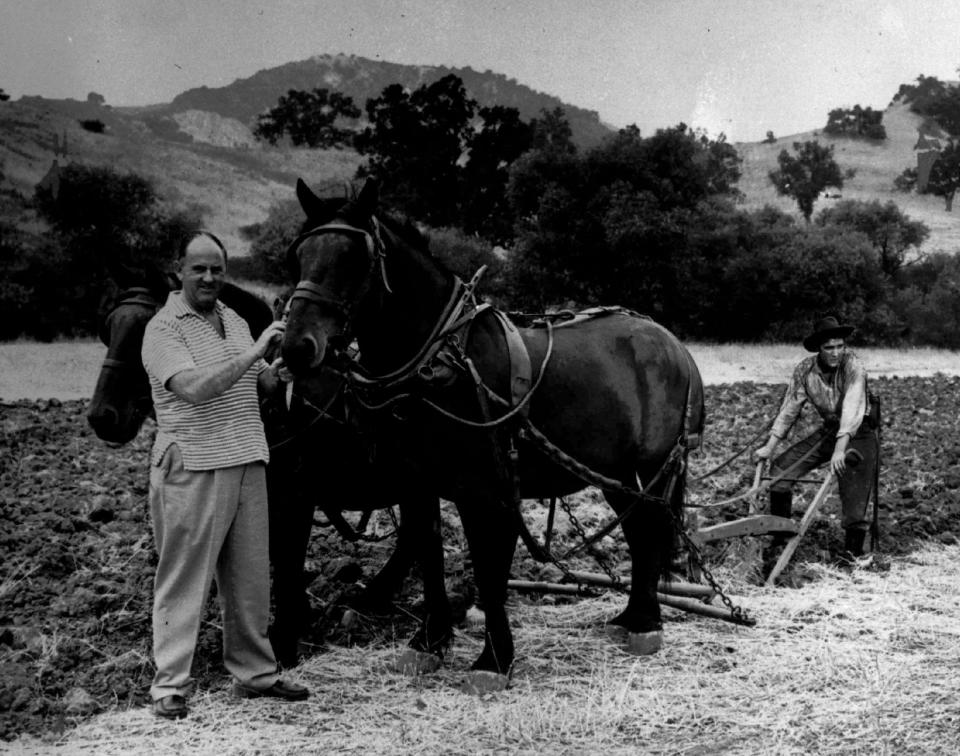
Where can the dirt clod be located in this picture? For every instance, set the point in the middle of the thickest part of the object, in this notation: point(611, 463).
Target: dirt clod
point(77, 567)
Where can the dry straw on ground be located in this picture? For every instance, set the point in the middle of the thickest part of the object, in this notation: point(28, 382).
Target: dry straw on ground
point(861, 662)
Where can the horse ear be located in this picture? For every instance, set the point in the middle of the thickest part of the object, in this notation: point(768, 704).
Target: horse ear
point(309, 201)
point(123, 274)
point(157, 281)
point(369, 198)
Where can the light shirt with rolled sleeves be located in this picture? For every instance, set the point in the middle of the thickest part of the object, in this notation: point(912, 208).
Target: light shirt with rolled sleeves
point(840, 393)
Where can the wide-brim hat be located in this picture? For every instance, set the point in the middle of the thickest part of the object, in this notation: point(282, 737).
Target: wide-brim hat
point(825, 329)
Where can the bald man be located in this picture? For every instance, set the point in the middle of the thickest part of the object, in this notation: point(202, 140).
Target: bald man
point(208, 496)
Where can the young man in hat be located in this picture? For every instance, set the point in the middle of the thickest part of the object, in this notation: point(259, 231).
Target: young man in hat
point(834, 382)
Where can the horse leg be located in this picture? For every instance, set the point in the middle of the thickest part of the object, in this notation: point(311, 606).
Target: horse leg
point(491, 534)
point(421, 534)
point(648, 532)
point(290, 523)
point(383, 586)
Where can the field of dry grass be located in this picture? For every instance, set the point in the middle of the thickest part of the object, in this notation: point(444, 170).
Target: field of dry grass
point(850, 663)
point(861, 662)
point(68, 369)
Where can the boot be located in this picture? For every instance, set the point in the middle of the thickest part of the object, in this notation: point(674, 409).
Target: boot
point(781, 505)
point(853, 543)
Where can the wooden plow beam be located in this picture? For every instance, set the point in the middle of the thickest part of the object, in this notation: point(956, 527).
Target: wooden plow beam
point(757, 523)
point(805, 521)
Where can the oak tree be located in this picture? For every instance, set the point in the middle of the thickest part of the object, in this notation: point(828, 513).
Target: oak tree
point(804, 175)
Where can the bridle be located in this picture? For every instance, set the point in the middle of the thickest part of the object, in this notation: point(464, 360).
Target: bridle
point(136, 295)
point(376, 253)
point(451, 319)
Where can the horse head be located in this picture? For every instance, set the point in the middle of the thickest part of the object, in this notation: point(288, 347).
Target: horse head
point(121, 400)
point(334, 260)
point(361, 276)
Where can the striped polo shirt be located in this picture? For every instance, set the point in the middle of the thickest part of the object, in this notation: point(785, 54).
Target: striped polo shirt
point(223, 431)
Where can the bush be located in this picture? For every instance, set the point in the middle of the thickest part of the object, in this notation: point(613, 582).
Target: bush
point(890, 231)
point(464, 255)
point(928, 301)
point(271, 238)
point(788, 277)
point(101, 221)
point(907, 181)
point(37, 295)
point(856, 122)
point(93, 125)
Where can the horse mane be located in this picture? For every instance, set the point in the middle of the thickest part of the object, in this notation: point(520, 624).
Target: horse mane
point(249, 306)
point(406, 230)
point(402, 227)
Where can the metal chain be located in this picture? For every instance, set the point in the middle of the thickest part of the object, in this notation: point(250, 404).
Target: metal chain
point(592, 550)
point(736, 612)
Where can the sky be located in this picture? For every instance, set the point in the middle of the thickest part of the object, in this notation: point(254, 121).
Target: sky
point(738, 67)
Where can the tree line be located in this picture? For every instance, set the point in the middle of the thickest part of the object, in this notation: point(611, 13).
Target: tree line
point(649, 222)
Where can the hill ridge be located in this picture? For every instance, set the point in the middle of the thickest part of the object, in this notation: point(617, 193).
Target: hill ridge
point(363, 78)
point(206, 156)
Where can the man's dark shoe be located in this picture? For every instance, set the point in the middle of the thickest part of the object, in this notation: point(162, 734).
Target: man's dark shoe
point(170, 707)
point(285, 691)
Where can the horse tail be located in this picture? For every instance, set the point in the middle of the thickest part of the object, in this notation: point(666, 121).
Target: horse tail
point(675, 489)
point(674, 496)
point(695, 412)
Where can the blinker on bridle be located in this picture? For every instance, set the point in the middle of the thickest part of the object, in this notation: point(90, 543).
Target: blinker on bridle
point(376, 253)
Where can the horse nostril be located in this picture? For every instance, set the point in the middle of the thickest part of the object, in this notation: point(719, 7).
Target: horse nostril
point(109, 426)
point(103, 418)
point(302, 354)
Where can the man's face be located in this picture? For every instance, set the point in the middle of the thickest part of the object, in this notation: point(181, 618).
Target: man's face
point(203, 271)
point(831, 351)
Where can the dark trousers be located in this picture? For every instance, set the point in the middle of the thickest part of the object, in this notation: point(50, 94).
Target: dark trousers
point(856, 483)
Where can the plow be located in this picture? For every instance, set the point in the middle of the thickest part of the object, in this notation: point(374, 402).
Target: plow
point(697, 597)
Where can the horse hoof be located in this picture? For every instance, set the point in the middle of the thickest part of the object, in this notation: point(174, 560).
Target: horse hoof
point(413, 663)
point(475, 617)
point(616, 633)
point(644, 644)
point(480, 682)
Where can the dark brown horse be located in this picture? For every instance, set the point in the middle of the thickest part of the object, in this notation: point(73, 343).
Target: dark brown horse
point(616, 392)
point(305, 446)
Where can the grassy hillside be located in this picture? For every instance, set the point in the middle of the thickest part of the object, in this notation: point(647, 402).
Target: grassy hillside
point(236, 186)
point(876, 166)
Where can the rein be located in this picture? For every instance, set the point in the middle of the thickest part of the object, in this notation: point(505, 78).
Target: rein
point(451, 319)
point(321, 413)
